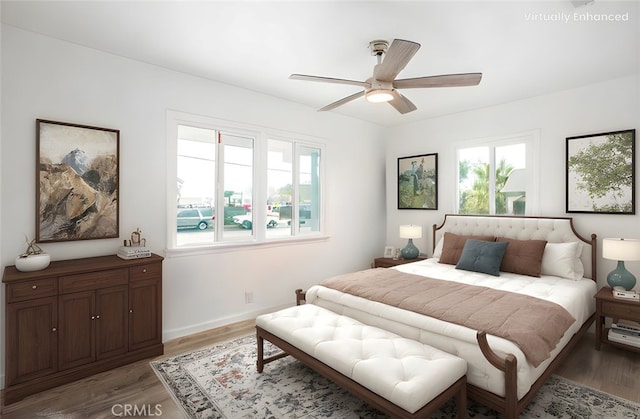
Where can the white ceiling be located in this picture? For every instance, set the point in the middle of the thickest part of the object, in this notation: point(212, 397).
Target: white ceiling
point(257, 45)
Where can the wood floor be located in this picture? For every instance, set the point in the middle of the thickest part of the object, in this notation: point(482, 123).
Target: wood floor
point(105, 395)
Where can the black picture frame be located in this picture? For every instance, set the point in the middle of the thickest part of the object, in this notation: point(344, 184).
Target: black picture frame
point(418, 182)
point(600, 173)
point(77, 182)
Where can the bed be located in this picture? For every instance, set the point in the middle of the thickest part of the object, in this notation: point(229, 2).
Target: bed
point(499, 375)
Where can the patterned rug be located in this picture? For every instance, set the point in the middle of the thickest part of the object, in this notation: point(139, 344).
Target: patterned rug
point(221, 381)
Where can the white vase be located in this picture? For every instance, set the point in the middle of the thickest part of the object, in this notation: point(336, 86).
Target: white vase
point(35, 262)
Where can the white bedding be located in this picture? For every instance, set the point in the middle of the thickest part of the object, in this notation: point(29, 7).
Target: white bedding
point(575, 296)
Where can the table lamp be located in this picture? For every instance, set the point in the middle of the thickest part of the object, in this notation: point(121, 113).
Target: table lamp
point(410, 251)
point(621, 250)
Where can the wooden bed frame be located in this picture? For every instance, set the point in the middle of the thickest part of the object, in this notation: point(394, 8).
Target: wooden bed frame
point(509, 405)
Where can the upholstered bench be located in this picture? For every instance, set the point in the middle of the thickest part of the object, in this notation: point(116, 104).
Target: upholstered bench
point(400, 377)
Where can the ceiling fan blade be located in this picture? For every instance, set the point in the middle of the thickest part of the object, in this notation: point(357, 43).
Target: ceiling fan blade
point(329, 80)
point(395, 59)
point(401, 103)
point(342, 101)
point(445, 80)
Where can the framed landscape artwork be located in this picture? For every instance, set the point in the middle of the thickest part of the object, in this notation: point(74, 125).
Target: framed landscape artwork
point(600, 174)
point(77, 182)
point(418, 182)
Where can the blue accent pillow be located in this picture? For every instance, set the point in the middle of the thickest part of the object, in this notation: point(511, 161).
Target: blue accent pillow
point(482, 256)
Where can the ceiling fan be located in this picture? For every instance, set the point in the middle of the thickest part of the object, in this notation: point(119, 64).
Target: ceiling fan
point(382, 86)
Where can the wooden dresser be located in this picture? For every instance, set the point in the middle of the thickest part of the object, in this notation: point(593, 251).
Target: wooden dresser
point(77, 318)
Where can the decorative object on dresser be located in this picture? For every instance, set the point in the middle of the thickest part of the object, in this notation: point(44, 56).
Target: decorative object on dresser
point(621, 250)
point(77, 318)
point(410, 251)
point(625, 314)
point(134, 248)
point(33, 259)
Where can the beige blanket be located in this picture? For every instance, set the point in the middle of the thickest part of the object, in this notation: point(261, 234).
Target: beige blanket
point(535, 325)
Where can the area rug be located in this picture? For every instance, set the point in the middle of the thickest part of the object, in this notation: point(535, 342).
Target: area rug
point(221, 381)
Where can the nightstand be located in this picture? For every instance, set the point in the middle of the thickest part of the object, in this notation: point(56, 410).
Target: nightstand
point(615, 308)
point(390, 262)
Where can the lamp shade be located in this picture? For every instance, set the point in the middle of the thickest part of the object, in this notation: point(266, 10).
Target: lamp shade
point(621, 249)
point(410, 231)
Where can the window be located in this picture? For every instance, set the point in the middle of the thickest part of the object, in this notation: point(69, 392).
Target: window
point(495, 176)
point(239, 185)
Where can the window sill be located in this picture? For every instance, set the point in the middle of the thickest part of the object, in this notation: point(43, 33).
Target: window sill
point(241, 246)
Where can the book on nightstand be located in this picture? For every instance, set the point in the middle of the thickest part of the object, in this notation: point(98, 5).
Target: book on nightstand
point(133, 252)
point(627, 325)
point(616, 335)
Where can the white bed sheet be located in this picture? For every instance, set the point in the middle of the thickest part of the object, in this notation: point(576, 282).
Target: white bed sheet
point(575, 296)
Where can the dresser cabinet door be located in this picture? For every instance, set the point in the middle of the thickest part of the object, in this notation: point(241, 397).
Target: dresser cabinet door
point(111, 322)
point(32, 339)
point(145, 306)
point(77, 332)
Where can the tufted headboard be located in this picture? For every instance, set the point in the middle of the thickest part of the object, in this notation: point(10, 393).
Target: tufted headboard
point(553, 230)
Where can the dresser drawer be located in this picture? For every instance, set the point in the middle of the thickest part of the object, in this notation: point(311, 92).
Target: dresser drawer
point(630, 311)
point(29, 290)
point(147, 271)
point(93, 280)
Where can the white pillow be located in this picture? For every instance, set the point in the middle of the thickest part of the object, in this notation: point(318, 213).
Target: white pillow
point(437, 252)
point(563, 260)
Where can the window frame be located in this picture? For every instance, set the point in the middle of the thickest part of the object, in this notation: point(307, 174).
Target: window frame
point(261, 135)
point(531, 139)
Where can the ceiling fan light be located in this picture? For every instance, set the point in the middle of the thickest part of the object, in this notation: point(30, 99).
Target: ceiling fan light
point(378, 96)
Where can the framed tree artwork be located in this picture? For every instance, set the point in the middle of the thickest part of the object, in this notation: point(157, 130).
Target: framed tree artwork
point(77, 182)
point(418, 182)
point(600, 174)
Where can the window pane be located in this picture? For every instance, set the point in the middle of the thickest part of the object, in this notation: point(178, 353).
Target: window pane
point(238, 186)
point(510, 179)
point(308, 216)
point(473, 175)
point(279, 188)
point(196, 185)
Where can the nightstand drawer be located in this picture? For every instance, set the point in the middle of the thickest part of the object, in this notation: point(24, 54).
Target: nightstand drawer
point(629, 311)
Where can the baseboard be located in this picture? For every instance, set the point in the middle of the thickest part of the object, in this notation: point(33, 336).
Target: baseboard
point(171, 334)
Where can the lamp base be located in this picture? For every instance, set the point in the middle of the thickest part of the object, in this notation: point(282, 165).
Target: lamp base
point(410, 251)
point(621, 277)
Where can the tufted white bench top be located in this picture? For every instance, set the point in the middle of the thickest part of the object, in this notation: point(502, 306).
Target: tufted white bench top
point(407, 373)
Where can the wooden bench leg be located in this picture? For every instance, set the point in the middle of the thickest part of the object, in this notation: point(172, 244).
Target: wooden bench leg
point(462, 401)
point(260, 361)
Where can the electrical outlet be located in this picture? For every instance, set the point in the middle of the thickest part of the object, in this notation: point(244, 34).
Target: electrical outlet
point(248, 297)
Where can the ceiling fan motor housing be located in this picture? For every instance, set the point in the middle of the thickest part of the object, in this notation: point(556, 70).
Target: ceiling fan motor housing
point(378, 47)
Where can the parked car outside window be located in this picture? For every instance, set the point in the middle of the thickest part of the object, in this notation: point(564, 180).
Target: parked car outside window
point(246, 221)
point(197, 218)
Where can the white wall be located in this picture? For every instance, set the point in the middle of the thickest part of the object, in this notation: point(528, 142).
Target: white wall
point(603, 107)
point(46, 78)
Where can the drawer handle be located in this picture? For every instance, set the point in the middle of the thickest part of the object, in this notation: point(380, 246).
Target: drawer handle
point(34, 287)
point(93, 317)
point(54, 329)
point(144, 271)
point(98, 317)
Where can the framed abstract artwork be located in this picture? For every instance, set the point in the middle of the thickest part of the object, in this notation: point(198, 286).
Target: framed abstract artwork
point(418, 182)
point(600, 176)
point(77, 182)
